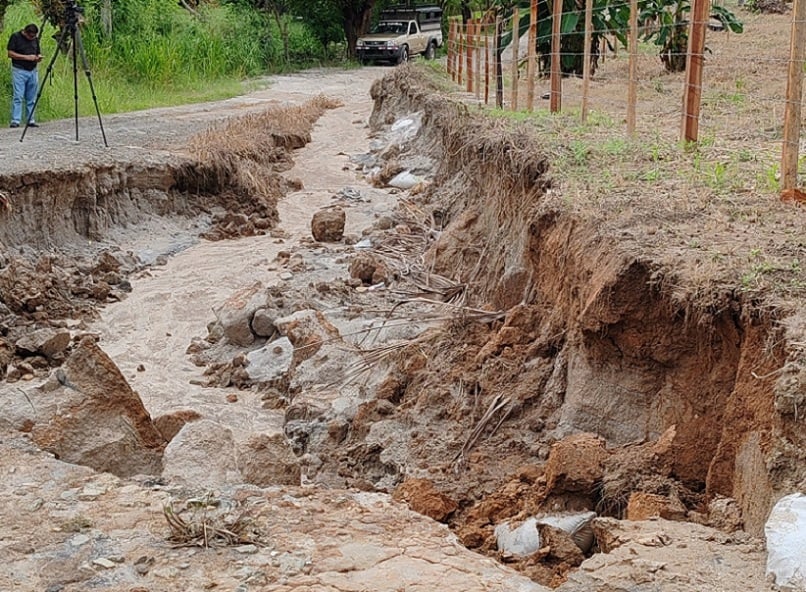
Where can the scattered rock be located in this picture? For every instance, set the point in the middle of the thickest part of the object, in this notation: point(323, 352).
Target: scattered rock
point(263, 322)
point(423, 497)
point(48, 342)
point(268, 460)
point(236, 313)
point(327, 225)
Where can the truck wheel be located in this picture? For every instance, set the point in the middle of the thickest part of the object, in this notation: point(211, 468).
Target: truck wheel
point(431, 51)
point(404, 55)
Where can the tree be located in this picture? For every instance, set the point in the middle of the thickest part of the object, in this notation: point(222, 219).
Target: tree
point(356, 15)
point(667, 30)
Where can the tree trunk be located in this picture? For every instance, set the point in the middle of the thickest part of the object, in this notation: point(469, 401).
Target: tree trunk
point(106, 17)
point(356, 16)
point(282, 25)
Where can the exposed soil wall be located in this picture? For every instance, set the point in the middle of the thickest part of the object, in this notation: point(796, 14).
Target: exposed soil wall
point(630, 358)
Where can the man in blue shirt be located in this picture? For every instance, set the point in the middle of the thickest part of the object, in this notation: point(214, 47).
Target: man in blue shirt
point(23, 49)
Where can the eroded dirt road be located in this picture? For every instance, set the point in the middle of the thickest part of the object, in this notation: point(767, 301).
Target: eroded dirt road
point(68, 528)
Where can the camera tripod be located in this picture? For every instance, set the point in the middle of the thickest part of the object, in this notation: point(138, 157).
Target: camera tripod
point(70, 29)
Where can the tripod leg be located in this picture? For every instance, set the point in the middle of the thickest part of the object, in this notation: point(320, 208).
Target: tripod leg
point(42, 84)
point(80, 45)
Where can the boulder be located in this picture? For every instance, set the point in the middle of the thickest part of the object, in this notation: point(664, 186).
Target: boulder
point(88, 414)
point(202, 455)
point(235, 314)
point(48, 342)
point(327, 225)
point(268, 460)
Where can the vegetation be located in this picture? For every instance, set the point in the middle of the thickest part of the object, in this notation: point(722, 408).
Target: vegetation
point(159, 52)
point(663, 22)
point(147, 53)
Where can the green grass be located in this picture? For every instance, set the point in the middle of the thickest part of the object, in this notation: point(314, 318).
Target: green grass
point(159, 55)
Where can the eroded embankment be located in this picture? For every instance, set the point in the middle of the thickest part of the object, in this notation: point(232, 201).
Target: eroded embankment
point(597, 337)
point(61, 228)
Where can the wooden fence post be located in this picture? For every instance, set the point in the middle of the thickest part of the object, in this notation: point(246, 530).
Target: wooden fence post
point(794, 94)
point(632, 86)
point(700, 13)
point(530, 64)
point(477, 30)
point(450, 50)
point(499, 70)
point(586, 67)
point(486, 31)
point(516, 27)
point(459, 52)
point(469, 54)
point(556, 57)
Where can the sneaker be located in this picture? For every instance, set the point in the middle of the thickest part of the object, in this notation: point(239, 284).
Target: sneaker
point(33, 124)
point(13, 124)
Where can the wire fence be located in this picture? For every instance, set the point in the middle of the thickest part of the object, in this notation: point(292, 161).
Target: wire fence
point(745, 88)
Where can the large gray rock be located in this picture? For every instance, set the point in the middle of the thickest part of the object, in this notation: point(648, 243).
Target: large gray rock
point(203, 455)
point(235, 314)
point(87, 414)
point(270, 362)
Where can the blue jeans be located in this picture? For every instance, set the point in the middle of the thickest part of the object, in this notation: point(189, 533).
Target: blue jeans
point(24, 83)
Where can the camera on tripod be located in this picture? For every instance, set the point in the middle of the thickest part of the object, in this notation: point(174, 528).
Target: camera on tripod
point(72, 11)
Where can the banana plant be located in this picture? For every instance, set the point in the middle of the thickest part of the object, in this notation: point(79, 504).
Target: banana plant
point(663, 23)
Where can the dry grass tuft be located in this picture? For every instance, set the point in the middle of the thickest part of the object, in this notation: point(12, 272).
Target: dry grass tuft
point(209, 523)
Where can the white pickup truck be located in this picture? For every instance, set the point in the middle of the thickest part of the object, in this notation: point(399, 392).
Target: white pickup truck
point(401, 32)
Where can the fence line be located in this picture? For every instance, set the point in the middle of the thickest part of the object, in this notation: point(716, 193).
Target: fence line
point(473, 52)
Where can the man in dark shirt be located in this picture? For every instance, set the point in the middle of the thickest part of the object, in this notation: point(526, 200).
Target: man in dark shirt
point(23, 49)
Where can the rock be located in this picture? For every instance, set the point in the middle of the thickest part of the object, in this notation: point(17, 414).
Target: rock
point(270, 362)
point(89, 415)
point(576, 464)
point(328, 225)
point(104, 563)
point(368, 268)
point(263, 322)
point(170, 423)
point(203, 455)
point(607, 533)
point(561, 545)
point(268, 460)
point(236, 313)
point(307, 330)
point(424, 498)
point(724, 513)
point(643, 506)
point(48, 342)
